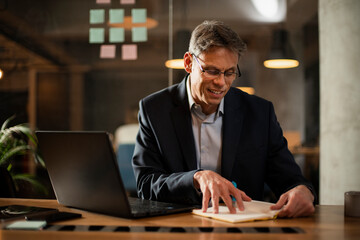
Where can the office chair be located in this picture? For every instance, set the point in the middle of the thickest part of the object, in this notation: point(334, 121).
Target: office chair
point(124, 156)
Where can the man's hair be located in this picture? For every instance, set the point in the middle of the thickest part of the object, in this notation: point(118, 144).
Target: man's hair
point(215, 34)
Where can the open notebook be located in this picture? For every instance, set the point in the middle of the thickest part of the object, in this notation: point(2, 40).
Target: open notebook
point(254, 211)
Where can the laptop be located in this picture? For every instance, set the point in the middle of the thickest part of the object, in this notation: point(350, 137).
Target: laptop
point(84, 174)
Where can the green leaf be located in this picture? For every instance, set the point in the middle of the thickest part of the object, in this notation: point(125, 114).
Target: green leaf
point(32, 180)
point(5, 124)
point(19, 150)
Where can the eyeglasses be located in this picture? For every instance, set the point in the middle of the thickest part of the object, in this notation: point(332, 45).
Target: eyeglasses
point(229, 75)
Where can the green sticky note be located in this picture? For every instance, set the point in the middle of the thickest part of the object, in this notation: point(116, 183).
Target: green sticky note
point(138, 15)
point(116, 35)
point(139, 34)
point(116, 15)
point(97, 16)
point(26, 225)
point(96, 35)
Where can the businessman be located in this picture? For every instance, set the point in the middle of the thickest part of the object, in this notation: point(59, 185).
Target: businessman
point(199, 136)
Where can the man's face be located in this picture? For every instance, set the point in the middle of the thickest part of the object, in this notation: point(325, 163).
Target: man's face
point(208, 91)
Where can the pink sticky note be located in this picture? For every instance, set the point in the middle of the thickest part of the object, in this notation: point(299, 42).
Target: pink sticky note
point(107, 51)
point(129, 52)
point(127, 1)
point(103, 1)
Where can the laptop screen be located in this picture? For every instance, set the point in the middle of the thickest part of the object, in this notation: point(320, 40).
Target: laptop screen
point(83, 171)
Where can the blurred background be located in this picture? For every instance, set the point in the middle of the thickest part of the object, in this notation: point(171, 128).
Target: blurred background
point(56, 75)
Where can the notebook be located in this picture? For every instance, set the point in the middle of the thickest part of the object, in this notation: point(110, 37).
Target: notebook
point(84, 174)
point(254, 211)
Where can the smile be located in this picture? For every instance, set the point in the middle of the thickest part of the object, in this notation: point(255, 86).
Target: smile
point(215, 92)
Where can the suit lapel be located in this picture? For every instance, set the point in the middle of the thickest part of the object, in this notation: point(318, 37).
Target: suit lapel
point(181, 119)
point(232, 126)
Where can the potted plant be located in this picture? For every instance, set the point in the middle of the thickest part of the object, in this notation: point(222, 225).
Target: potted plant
point(17, 141)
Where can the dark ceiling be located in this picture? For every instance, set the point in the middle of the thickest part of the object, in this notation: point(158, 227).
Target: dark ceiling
point(56, 33)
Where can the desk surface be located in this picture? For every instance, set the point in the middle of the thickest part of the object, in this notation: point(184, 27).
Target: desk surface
point(328, 222)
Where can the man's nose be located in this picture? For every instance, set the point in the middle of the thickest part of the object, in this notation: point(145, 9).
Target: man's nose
point(220, 80)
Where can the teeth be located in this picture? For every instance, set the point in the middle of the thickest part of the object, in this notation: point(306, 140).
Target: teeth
point(216, 92)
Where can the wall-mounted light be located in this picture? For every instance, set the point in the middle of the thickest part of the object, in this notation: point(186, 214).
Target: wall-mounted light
point(281, 54)
point(1, 74)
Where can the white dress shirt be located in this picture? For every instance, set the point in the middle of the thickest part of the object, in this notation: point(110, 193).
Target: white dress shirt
point(207, 130)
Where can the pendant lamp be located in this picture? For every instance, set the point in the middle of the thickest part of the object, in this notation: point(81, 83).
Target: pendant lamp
point(281, 55)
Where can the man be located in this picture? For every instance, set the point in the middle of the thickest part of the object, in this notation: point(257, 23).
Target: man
point(199, 136)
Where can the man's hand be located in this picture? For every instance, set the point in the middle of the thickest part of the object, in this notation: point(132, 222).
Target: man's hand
point(297, 202)
point(214, 186)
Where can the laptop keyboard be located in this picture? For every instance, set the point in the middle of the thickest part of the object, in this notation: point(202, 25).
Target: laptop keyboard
point(147, 207)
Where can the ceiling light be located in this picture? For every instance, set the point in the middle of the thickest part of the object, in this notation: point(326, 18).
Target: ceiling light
point(281, 55)
point(267, 8)
point(281, 63)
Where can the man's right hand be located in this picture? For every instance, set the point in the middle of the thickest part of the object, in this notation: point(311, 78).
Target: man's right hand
point(213, 186)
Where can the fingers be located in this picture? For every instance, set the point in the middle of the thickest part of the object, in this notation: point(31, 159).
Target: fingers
point(245, 197)
point(205, 200)
point(214, 187)
point(229, 203)
point(280, 203)
point(297, 202)
point(240, 196)
point(215, 203)
point(297, 208)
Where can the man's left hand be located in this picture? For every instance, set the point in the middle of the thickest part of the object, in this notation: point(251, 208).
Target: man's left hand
point(297, 202)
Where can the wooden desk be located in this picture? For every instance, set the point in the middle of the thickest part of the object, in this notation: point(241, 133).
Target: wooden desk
point(327, 223)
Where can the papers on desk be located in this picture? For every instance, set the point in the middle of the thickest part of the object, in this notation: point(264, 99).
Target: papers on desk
point(254, 211)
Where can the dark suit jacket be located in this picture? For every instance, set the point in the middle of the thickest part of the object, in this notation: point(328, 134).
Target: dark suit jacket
point(254, 150)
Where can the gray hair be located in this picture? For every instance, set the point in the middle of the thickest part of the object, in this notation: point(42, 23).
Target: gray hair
point(215, 34)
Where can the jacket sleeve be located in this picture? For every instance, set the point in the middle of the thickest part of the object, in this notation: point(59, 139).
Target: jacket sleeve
point(283, 173)
point(155, 177)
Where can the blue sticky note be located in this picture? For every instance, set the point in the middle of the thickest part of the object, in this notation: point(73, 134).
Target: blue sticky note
point(139, 34)
point(138, 15)
point(96, 35)
point(116, 35)
point(97, 16)
point(116, 15)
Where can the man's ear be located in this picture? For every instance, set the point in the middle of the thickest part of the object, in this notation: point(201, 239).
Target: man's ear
point(188, 62)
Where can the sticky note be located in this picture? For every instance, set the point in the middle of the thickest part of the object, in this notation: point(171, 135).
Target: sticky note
point(116, 35)
point(116, 15)
point(127, 1)
point(107, 51)
point(138, 15)
point(139, 34)
point(96, 35)
point(129, 52)
point(27, 225)
point(103, 1)
point(97, 16)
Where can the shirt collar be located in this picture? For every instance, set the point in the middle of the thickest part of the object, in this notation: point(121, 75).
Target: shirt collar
point(192, 102)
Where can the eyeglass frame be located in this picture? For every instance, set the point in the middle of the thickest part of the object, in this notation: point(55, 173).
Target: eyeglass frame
point(237, 75)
